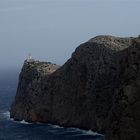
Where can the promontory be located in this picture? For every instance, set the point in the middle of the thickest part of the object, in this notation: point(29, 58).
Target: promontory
point(98, 88)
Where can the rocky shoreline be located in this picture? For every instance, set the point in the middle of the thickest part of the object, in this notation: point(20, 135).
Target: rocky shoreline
point(98, 88)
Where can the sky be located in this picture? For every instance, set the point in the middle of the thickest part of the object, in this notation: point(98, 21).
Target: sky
point(51, 29)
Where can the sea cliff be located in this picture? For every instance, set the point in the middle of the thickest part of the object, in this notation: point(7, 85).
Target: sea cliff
point(98, 88)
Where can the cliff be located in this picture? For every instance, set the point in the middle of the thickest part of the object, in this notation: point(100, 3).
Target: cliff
point(98, 88)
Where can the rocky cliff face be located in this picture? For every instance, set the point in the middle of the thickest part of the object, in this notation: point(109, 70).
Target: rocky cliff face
point(98, 88)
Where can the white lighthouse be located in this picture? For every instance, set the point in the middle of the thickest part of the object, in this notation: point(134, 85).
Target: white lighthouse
point(30, 56)
point(30, 59)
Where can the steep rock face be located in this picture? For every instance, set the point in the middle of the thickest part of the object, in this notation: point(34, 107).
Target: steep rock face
point(98, 89)
point(28, 100)
point(124, 116)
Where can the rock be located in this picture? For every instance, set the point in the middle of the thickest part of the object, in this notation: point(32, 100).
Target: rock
point(97, 88)
point(29, 95)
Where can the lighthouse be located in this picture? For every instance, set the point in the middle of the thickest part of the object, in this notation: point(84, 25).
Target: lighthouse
point(30, 59)
point(30, 56)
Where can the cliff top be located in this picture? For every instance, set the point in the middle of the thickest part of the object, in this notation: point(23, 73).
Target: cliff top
point(41, 67)
point(112, 42)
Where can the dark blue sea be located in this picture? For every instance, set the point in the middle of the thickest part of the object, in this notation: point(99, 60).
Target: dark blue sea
point(12, 130)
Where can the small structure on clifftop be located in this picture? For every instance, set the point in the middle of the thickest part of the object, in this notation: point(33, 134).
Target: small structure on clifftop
point(30, 59)
point(30, 56)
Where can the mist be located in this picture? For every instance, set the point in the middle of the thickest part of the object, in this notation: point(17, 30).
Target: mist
point(51, 29)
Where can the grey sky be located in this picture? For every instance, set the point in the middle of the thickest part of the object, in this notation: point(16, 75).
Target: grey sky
point(52, 29)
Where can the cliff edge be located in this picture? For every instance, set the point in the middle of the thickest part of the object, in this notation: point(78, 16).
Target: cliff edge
point(98, 88)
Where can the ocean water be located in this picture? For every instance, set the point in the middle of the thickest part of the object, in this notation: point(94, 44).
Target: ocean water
point(12, 130)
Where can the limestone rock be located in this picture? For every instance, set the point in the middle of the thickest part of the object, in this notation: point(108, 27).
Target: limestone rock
point(98, 88)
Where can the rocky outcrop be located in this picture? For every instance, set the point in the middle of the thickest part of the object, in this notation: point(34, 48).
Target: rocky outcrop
point(98, 88)
point(29, 98)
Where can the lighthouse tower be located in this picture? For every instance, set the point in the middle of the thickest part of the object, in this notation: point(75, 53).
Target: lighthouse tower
point(30, 56)
point(30, 59)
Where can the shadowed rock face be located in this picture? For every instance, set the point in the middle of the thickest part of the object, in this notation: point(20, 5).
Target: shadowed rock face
point(98, 88)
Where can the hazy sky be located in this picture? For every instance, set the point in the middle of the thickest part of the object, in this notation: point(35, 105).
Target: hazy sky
point(52, 29)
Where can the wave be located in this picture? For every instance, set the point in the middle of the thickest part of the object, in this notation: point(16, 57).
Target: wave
point(6, 115)
point(84, 132)
point(90, 132)
point(24, 122)
point(55, 128)
point(77, 130)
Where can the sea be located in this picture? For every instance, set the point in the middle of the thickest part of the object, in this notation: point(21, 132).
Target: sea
point(13, 130)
